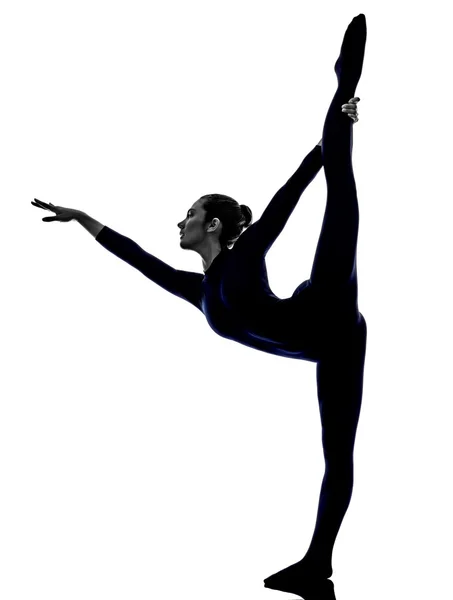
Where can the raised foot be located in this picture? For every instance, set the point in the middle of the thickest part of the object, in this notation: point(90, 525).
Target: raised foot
point(309, 583)
point(349, 64)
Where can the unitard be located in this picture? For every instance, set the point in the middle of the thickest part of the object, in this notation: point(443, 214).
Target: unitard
point(320, 322)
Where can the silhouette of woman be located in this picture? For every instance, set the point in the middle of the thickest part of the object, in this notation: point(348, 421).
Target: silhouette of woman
point(320, 322)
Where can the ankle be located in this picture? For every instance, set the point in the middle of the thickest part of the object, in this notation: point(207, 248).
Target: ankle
point(317, 565)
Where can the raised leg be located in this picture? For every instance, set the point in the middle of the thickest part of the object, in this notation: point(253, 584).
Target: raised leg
point(334, 265)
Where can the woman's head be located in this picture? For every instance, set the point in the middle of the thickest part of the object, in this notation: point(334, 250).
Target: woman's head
point(215, 215)
point(234, 217)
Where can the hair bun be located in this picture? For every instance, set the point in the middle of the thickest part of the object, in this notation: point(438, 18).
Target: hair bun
point(247, 214)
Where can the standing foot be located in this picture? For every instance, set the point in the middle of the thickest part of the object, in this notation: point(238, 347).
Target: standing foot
point(303, 580)
point(314, 589)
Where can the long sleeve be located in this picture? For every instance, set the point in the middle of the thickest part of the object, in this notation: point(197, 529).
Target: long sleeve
point(184, 284)
point(265, 231)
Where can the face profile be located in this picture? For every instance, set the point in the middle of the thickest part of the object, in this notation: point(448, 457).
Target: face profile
point(193, 234)
point(192, 227)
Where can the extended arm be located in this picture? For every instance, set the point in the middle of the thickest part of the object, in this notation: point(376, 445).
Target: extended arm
point(276, 214)
point(265, 231)
point(184, 284)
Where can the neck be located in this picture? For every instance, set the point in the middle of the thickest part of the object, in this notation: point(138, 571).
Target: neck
point(208, 253)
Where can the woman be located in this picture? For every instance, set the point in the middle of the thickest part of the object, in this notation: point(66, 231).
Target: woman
point(320, 322)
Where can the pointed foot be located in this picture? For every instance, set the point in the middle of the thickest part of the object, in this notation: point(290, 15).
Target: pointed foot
point(350, 62)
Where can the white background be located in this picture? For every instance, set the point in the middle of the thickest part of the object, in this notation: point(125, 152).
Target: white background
point(142, 456)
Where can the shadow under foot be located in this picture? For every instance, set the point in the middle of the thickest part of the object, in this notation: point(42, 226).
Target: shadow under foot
point(314, 589)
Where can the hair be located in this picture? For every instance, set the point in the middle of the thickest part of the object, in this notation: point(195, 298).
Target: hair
point(234, 217)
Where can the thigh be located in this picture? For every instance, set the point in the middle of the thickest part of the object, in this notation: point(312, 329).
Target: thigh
point(340, 385)
point(332, 312)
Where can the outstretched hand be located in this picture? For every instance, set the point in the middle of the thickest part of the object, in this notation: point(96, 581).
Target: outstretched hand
point(61, 214)
point(351, 109)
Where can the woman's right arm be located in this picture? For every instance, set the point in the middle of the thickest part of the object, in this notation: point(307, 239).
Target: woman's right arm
point(184, 284)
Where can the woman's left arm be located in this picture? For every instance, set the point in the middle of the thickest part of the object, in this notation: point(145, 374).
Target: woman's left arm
point(275, 216)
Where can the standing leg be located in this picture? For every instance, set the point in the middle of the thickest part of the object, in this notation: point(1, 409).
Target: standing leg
point(340, 384)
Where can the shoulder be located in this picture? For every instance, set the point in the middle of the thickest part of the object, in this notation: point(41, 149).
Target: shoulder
point(246, 237)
